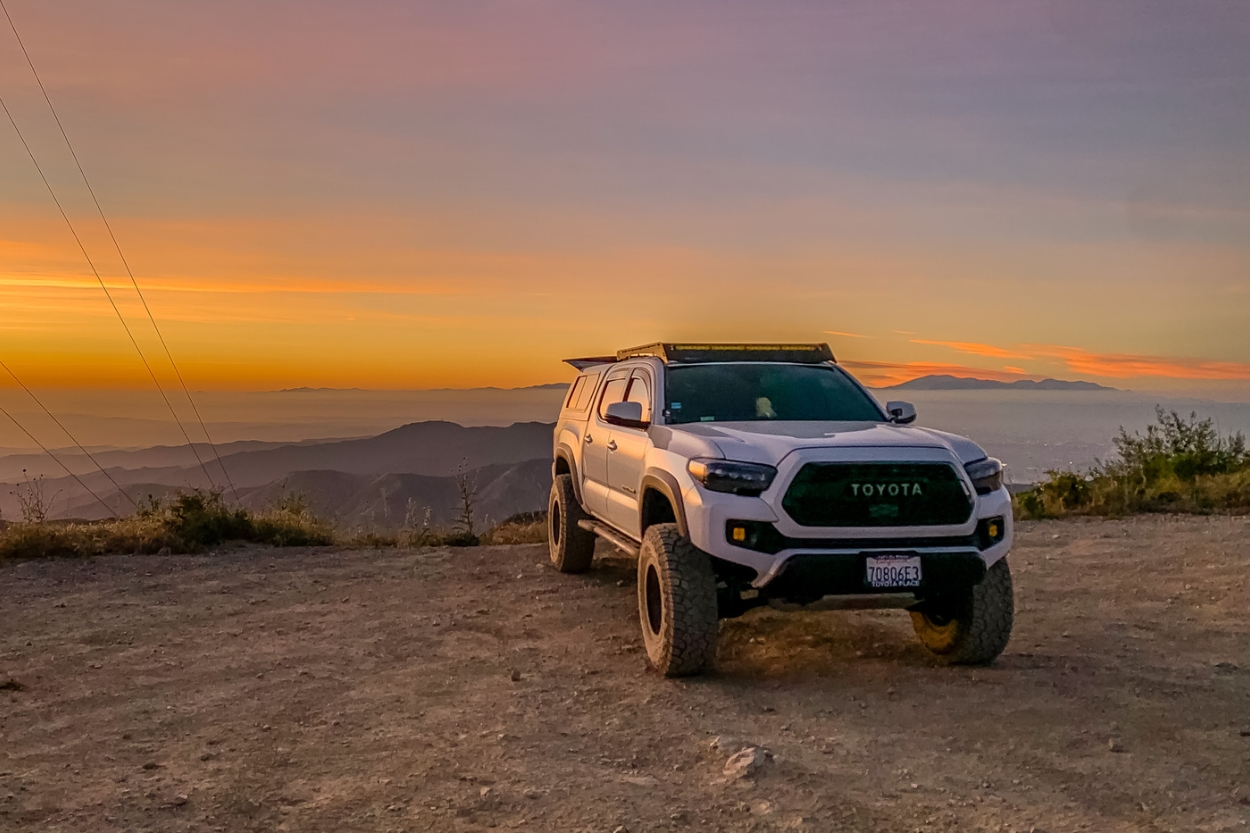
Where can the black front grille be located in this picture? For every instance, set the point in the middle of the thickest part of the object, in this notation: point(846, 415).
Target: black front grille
point(877, 494)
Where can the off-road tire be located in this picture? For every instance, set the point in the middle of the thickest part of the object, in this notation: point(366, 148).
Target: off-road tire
point(572, 548)
point(676, 603)
point(970, 628)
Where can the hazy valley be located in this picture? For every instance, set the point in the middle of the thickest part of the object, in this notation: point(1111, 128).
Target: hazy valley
point(499, 441)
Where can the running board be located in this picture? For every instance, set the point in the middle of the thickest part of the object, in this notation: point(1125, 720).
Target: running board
point(610, 535)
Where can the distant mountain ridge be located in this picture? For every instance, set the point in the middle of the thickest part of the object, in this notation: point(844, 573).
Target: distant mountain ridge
point(434, 448)
point(946, 382)
point(373, 502)
point(352, 480)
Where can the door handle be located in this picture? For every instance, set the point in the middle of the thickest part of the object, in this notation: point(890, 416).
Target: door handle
point(611, 445)
point(589, 439)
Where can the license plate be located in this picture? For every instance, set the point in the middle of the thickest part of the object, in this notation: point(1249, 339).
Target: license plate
point(892, 570)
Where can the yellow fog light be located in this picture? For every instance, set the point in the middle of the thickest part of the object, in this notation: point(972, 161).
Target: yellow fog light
point(740, 533)
point(993, 530)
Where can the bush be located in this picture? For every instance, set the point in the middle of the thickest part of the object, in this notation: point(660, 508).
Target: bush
point(203, 520)
point(1177, 465)
point(522, 528)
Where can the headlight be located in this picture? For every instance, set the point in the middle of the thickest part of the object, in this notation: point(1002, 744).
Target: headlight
point(986, 475)
point(730, 476)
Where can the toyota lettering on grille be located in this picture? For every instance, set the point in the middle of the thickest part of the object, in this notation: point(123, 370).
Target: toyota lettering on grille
point(886, 489)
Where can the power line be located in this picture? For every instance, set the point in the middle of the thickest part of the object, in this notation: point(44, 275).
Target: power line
point(107, 294)
point(31, 394)
point(59, 463)
point(169, 355)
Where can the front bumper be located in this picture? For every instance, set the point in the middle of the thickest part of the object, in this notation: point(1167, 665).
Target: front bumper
point(834, 558)
point(808, 577)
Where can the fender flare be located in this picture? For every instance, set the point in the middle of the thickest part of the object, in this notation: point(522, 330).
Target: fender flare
point(667, 485)
point(563, 452)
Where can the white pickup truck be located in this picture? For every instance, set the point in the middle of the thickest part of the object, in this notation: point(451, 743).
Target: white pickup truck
point(750, 474)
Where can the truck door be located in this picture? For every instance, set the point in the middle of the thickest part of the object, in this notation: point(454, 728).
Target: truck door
point(627, 449)
point(595, 445)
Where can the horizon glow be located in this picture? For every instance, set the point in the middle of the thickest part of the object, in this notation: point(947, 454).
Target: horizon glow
point(399, 195)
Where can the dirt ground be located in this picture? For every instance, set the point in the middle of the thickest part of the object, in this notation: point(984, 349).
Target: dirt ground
point(460, 690)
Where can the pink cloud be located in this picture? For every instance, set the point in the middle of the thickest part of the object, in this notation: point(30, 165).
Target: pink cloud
point(1130, 365)
point(973, 348)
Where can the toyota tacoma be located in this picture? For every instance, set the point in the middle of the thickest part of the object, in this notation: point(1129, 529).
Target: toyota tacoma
point(752, 474)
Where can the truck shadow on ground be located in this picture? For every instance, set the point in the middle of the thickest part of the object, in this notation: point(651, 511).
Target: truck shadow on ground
point(766, 644)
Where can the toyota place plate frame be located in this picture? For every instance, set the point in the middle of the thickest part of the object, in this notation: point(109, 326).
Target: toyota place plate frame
point(891, 570)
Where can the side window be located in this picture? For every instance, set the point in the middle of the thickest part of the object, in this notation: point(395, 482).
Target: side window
point(587, 392)
point(640, 392)
point(570, 402)
point(613, 391)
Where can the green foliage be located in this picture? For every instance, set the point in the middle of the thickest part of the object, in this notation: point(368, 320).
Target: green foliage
point(202, 519)
point(1178, 465)
point(1177, 447)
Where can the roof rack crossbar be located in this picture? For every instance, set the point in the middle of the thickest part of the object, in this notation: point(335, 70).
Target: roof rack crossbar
point(671, 353)
point(690, 353)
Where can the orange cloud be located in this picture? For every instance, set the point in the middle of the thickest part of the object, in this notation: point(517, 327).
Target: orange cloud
point(883, 374)
point(1129, 365)
point(845, 335)
point(1010, 369)
point(974, 348)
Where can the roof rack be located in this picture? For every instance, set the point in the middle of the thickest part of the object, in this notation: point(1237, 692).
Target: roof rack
point(701, 353)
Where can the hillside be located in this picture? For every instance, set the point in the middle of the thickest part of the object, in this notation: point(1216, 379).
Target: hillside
point(369, 502)
point(431, 448)
point(389, 501)
point(158, 457)
point(345, 479)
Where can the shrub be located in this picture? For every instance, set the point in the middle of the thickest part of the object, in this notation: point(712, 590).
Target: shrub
point(1178, 465)
point(288, 522)
point(201, 519)
point(522, 528)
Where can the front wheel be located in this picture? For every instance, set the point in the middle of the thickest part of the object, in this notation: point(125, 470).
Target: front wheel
point(676, 602)
point(969, 628)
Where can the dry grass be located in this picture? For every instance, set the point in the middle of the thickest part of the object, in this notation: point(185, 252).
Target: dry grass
point(192, 522)
point(525, 528)
point(46, 539)
point(196, 522)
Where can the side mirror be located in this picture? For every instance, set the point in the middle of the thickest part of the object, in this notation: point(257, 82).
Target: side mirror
point(903, 413)
point(626, 414)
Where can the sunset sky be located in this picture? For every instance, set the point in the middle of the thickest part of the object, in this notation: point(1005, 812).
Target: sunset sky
point(387, 194)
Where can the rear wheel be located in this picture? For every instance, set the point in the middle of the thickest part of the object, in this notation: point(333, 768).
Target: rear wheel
point(676, 602)
point(572, 548)
point(969, 628)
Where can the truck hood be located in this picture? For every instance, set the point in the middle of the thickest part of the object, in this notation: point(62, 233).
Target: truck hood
point(770, 442)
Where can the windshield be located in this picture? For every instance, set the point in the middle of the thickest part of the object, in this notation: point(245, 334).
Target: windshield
point(751, 392)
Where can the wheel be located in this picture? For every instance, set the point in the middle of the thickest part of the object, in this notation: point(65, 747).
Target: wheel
point(971, 628)
point(676, 602)
point(572, 548)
